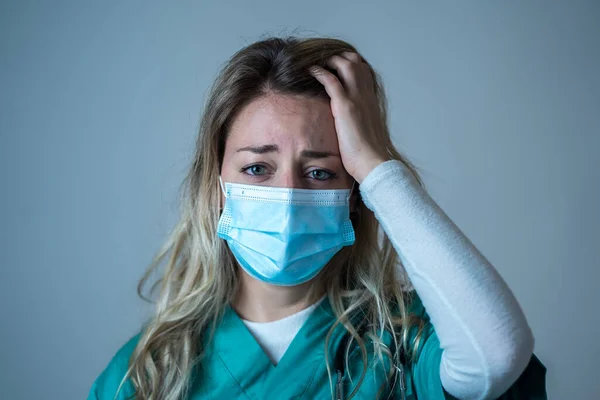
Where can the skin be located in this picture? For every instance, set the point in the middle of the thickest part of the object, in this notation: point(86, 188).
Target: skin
point(298, 142)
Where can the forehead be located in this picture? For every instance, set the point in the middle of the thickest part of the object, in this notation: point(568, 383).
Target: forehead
point(285, 120)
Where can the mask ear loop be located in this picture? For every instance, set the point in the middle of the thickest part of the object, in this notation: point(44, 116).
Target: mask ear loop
point(351, 190)
point(224, 193)
point(354, 215)
point(222, 188)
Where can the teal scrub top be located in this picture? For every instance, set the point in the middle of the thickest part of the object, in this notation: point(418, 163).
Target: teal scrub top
point(236, 367)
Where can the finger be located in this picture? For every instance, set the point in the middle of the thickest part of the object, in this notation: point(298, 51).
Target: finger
point(352, 56)
point(347, 70)
point(332, 85)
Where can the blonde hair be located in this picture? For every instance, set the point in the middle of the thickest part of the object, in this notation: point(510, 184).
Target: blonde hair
point(201, 274)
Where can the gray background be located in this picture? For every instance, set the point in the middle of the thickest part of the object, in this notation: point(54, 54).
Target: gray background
point(498, 103)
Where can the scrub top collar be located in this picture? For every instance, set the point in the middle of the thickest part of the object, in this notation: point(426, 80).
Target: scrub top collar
point(237, 349)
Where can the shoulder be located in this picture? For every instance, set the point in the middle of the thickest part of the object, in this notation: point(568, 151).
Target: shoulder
point(423, 364)
point(422, 338)
point(415, 305)
point(107, 383)
point(419, 322)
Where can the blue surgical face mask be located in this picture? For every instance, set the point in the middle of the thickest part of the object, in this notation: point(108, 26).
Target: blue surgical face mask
point(284, 236)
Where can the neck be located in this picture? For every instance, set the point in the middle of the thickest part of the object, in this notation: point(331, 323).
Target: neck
point(262, 302)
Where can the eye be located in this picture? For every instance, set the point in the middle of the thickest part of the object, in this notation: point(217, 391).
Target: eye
point(256, 169)
point(321, 174)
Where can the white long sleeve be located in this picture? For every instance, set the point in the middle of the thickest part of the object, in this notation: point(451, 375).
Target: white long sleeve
point(483, 333)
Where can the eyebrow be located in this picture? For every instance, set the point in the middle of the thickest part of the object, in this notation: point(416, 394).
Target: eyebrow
point(317, 154)
point(268, 148)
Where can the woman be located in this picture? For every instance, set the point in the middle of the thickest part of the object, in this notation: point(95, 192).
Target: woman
point(280, 283)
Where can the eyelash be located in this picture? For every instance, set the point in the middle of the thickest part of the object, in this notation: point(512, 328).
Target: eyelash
point(331, 175)
point(246, 169)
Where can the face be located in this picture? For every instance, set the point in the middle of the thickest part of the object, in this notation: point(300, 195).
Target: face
point(285, 141)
